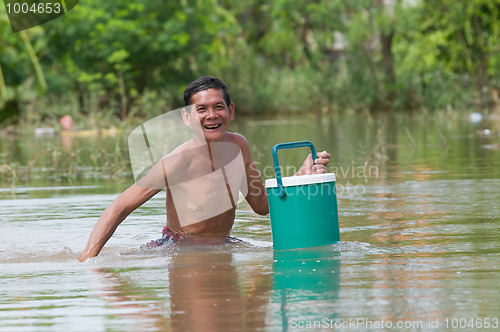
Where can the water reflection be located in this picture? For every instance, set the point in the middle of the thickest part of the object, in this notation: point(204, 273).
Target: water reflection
point(206, 294)
point(306, 284)
point(213, 291)
point(201, 291)
point(130, 306)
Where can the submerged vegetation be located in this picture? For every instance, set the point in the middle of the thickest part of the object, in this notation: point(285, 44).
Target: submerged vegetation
point(63, 159)
point(117, 60)
point(364, 146)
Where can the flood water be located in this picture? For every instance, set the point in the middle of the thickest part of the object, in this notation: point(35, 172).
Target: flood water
point(418, 200)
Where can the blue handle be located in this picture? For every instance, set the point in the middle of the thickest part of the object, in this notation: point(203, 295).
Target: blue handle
point(281, 146)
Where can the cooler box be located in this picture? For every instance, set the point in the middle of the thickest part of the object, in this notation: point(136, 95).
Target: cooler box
point(303, 209)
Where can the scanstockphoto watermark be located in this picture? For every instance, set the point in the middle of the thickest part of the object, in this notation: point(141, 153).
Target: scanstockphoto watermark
point(353, 173)
point(343, 171)
point(310, 191)
point(363, 323)
point(349, 176)
point(360, 323)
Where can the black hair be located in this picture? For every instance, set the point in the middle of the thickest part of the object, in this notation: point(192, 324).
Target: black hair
point(205, 83)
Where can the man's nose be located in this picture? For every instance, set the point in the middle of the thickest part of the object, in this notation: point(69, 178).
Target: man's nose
point(211, 112)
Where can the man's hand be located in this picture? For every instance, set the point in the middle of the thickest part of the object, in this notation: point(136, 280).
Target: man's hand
point(320, 167)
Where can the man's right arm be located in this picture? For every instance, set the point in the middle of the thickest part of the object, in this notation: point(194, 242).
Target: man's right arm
point(136, 195)
point(107, 223)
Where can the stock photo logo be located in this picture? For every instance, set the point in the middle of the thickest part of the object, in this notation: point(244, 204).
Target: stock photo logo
point(26, 14)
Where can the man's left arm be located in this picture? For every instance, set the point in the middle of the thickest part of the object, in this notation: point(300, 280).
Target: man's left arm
point(256, 195)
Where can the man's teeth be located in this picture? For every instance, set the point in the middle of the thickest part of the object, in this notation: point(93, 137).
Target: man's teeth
point(212, 126)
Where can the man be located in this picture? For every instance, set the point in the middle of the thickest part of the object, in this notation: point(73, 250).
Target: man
point(202, 176)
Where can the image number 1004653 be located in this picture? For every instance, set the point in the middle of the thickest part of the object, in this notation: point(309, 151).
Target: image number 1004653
point(25, 14)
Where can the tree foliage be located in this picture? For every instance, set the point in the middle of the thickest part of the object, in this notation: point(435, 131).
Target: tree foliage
point(122, 56)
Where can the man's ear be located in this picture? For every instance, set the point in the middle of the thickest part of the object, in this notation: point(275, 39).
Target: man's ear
point(231, 112)
point(185, 117)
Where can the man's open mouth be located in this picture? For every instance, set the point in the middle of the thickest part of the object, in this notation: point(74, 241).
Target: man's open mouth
point(214, 126)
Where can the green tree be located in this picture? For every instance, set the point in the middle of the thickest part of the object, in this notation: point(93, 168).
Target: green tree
point(120, 49)
point(20, 68)
point(452, 46)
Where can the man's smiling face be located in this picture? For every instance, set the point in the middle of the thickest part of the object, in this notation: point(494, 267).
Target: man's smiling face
point(213, 113)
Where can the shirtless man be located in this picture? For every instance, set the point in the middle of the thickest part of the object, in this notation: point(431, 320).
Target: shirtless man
point(213, 154)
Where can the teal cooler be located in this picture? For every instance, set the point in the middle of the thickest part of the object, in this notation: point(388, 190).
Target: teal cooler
point(303, 209)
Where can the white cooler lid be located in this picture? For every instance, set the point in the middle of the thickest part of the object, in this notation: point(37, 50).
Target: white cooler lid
point(301, 180)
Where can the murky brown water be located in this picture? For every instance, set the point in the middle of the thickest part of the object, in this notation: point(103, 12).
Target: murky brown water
point(420, 235)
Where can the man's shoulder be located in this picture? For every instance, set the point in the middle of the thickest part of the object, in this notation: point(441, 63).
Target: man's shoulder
point(237, 139)
point(243, 145)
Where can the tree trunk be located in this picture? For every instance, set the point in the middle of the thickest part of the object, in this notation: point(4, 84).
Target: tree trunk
point(388, 64)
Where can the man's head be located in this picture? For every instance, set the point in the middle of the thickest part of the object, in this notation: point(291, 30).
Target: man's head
point(211, 110)
point(205, 83)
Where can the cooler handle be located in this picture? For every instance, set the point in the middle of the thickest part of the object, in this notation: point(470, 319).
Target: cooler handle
point(281, 146)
